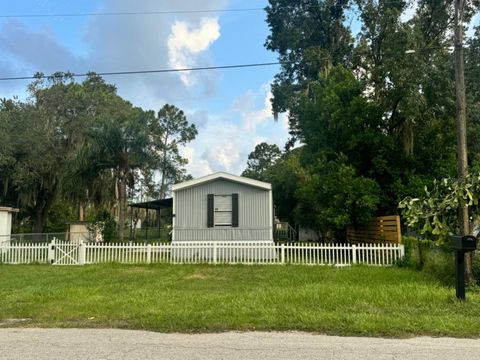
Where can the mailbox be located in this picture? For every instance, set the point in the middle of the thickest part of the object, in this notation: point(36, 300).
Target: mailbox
point(463, 243)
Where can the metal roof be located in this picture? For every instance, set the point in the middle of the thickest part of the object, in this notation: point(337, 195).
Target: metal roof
point(222, 175)
point(154, 204)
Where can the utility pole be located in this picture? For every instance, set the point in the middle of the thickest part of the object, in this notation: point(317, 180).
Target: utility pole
point(462, 162)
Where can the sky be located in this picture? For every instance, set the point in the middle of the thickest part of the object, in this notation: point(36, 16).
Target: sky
point(231, 108)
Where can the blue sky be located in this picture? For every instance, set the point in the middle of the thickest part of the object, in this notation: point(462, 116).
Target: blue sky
point(230, 107)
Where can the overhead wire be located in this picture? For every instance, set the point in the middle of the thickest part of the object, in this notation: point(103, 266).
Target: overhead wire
point(154, 71)
point(121, 13)
point(125, 13)
point(40, 75)
point(153, 12)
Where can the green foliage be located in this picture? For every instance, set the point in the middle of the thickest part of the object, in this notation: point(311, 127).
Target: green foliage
point(45, 132)
point(389, 111)
point(331, 197)
point(60, 214)
point(432, 258)
point(102, 221)
point(120, 144)
point(80, 144)
point(261, 160)
point(472, 79)
point(172, 130)
point(476, 267)
point(285, 176)
point(435, 213)
point(309, 37)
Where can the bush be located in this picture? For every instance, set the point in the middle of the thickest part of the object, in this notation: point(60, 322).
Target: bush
point(441, 264)
point(416, 251)
point(476, 265)
point(103, 222)
point(428, 256)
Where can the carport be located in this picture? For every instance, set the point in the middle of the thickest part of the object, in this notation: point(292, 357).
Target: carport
point(153, 205)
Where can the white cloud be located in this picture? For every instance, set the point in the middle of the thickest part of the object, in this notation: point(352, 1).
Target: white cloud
point(199, 118)
point(225, 141)
point(125, 43)
point(186, 41)
point(143, 43)
point(225, 155)
point(199, 167)
point(283, 119)
point(156, 42)
point(250, 115)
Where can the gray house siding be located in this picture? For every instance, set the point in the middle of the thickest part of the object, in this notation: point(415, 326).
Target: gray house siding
point(254, 213)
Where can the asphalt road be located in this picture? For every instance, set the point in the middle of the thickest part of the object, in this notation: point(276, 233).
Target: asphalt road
point(100, 344)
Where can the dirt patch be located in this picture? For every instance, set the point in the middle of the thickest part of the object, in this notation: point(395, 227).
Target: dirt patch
point(139, 270)
point(196, 276)
point(12, 322)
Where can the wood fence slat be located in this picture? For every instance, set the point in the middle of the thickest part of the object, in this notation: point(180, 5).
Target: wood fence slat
point(384, 229)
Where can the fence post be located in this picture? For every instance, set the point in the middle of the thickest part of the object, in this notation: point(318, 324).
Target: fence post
point(149, 254)
point(354, 254)
point(215, 252)
point(402, 250)
point(82, 253)
point(51, 252)
point(282, 248)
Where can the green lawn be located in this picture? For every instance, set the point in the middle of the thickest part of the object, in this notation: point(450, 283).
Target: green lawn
point(198, 298)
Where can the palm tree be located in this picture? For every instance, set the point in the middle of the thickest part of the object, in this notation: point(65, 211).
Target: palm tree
point(120, 143)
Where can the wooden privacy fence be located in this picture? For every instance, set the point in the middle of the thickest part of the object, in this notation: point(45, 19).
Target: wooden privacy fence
point(383, 229)
point(62, 253)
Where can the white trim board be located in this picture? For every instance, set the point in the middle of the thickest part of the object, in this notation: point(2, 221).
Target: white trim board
point(222, 175)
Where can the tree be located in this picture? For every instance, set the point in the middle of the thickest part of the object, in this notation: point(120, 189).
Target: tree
point(121, 143)
point(261, 160)
point(472, 79)
point(173, 131)
point(390, 111)
point(45, 133)
point(310, 36)
point(331, 197)
point(47, 129)
point(80, 145)
point(285, 176)
point(434, 213)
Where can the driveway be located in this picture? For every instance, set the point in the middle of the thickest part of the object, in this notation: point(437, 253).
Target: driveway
point(96, 344)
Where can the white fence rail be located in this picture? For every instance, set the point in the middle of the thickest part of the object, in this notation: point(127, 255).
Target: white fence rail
point(64, 253)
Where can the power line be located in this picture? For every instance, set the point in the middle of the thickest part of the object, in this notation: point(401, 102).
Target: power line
point(147, 71)
point(124, 13)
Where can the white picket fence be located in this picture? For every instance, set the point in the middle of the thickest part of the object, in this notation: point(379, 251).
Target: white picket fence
point(239, 252)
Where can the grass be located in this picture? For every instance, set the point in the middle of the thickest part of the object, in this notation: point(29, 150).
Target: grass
point(365, 301)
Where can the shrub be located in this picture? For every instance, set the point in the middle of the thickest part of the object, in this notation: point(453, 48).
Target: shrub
point(104, 223)
point(430, 257)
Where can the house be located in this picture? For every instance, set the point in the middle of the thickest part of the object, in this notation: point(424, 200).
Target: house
point(222, 207)
point(6, 223)
point(78, 232)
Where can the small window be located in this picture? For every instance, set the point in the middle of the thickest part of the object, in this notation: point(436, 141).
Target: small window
point(222, 210)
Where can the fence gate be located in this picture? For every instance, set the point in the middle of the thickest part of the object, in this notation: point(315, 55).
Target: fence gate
point(61, 253)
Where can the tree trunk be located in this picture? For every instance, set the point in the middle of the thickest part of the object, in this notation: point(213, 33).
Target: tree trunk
point(41, 214)
point(40, 221)
point(462, 162)
point(80, 211)
point(122, 204)
point(164, 166)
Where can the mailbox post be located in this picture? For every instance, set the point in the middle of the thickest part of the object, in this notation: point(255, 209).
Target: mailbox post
point(461, 245)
